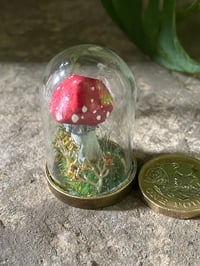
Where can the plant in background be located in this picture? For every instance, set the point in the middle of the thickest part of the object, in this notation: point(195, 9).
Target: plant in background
point(151, 25)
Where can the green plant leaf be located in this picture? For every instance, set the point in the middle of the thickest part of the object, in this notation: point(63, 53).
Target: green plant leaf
point(188, 10)
point(152, 27)
point(170, 52)
point(151, 21)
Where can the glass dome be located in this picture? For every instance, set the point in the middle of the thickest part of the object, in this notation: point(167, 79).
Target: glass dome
point(88, 108)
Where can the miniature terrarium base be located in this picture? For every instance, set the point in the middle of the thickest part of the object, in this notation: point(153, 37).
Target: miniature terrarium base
point(92, 183)
point(94, 202)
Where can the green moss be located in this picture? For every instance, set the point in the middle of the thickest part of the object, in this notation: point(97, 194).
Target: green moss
point(90, 178)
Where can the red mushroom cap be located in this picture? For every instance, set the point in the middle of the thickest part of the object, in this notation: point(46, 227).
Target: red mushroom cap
point(81, 100)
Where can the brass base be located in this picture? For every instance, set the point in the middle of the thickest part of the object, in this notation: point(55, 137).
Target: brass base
point(91, 202)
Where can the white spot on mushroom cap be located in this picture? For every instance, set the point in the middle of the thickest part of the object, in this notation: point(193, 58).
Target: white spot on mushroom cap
point(92, 88)
point(82, 117)
point(67, 98)
point(75, 118)
point(84, 109)
point(58, 116)
point(94, 112)
point(98, 117)
point(107, 114)
point(58, 88)
point(92, 100)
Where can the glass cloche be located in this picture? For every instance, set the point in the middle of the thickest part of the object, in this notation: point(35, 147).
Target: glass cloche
point(88, 108)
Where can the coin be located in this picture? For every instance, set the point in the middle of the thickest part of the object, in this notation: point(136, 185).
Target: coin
point(170, 184)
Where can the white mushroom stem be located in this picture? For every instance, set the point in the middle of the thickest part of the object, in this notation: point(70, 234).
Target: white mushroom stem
point(85, 137)
point(89, 146)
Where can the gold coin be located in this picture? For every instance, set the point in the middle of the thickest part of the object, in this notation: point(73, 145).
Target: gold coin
point(170, 185)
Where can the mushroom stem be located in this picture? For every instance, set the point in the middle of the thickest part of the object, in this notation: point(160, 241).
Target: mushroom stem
point(85, 137)
point(89, 146)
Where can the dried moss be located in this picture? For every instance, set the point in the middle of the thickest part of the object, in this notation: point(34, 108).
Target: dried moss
point(90, 178)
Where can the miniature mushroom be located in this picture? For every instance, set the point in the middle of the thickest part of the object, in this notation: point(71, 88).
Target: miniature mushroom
point(81, 103)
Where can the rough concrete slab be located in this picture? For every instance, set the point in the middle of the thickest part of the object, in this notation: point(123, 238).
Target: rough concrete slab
point(37, 229)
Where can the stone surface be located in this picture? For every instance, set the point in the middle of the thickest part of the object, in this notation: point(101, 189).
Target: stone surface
point(37, 229)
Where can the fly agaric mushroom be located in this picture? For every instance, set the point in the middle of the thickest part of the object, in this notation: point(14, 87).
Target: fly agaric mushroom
point(81, 103)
